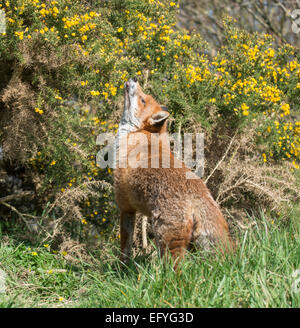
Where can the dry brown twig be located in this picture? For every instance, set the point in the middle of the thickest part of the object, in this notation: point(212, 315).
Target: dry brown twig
point(8, 198)
point(19, 213)
point(16, 196)
point(222, 159)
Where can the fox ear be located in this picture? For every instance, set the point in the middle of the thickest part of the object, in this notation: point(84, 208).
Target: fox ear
point(159, 118)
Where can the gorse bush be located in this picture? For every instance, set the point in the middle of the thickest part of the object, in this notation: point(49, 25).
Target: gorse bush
point(63, 65)
point(248, 80)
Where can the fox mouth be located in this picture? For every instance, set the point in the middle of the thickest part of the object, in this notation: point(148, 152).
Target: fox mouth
point(131, 92)
point(130, 88)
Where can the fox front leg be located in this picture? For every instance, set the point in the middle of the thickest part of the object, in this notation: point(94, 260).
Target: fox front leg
point(126, 231)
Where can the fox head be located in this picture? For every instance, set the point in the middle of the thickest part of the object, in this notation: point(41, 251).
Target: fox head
point(141, 111)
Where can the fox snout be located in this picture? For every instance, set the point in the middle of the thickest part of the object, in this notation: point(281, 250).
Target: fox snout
point(131, 86)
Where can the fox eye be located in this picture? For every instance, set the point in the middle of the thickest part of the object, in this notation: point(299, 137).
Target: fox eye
point(143, 101)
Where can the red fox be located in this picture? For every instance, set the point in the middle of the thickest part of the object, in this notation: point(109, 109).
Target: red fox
point(182, 210)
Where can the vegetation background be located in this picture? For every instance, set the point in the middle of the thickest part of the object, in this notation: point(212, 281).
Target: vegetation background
point(230, 69)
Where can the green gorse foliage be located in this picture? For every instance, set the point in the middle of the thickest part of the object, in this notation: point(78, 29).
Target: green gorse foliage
point(64, 64)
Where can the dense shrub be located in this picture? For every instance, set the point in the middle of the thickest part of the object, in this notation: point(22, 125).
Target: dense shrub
point(63, 65)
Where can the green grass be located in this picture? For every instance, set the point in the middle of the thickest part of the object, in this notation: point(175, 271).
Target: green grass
point(258, 275)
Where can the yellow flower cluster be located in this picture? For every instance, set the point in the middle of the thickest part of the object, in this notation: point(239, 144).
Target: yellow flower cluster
point(288, 140)
point(286, 110)
point(245, 108)
point(40, 111)
point(196, 74)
